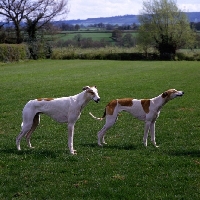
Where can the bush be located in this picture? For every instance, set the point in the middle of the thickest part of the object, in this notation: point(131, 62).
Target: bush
point(101, 54)
point(39, 50)
point(13, 52)
point(180, 56)
point(117, 53)
point(189, 56)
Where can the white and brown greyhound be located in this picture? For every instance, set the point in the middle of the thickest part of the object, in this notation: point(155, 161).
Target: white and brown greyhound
point(146, 110)
point(63, 110)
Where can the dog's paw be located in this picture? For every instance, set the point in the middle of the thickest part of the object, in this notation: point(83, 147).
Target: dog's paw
point(18, 148)
point(73, 152)
point(104, 142)
point(145, 144)
point(154, 143)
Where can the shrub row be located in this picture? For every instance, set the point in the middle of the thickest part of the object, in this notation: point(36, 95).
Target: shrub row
point(101, 54)
point(16, 52)
point(119, 56)
point(109, 55)
point(13, 52)
point(188, 57)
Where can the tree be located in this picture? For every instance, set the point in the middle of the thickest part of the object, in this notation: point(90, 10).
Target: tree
point(13, 10)
point(165, 27)
point(145, 40)
point(35, 12)
point(44, 11)
point(128, 40)
point(78, 38)
point(117, 35)
point(77, 27)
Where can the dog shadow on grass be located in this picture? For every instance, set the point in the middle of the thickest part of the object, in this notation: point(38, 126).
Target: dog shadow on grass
point(33, 153)
point(189, 153)
point(106, 146)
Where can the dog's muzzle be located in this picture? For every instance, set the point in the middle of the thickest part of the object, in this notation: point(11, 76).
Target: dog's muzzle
point(181, 94)
point(97, 100)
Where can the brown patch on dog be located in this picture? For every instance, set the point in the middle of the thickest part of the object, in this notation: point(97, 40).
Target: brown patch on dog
point(164, 94)
point(126, 102)
point(45, 99)
point(123, 102)
point(168, 92)
point(145, 104)
point(111, 107)
point(88, 87)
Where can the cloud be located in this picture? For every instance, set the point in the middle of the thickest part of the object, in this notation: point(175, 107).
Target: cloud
point(83, 9)
point(189, 7)
point(80, 9)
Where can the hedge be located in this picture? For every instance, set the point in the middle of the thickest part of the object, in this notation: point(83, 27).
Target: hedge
point(105, 56)
point(13, 52)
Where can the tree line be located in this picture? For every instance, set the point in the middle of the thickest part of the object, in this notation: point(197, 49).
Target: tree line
point(64, 26)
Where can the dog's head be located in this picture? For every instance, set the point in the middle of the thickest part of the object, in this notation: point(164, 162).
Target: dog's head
point(172, 93)
point(93, 92)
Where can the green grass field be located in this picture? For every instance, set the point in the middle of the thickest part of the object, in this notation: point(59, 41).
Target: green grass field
point(95, 35)
point(122, 169)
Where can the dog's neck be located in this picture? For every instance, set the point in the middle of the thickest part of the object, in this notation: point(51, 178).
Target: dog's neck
point(159, 102)
point(82, 99)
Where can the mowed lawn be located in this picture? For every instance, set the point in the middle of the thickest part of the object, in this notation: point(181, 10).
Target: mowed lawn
point(122, 169)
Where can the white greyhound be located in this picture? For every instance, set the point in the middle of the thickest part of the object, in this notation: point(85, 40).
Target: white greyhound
point(146, 110)
point(63, 110)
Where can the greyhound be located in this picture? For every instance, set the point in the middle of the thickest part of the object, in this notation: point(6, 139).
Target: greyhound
point(63, 110)
point(146, 110)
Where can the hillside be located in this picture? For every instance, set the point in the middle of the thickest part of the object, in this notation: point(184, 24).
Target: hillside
point(126, 19)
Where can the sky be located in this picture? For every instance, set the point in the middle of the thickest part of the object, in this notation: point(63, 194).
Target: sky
point(83, 9)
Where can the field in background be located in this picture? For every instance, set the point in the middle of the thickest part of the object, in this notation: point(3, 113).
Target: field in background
point(94, 34)
point(122, 169)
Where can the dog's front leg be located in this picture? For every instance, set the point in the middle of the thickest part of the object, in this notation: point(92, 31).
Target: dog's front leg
point(146, 131)
point(152, 130)
point(71, 138)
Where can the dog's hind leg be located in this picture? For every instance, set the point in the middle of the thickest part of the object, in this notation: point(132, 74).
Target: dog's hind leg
point(110, 120)
point(26, 127)
point(101, 134)
point(36, 121)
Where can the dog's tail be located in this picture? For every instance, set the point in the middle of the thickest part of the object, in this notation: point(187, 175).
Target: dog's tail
point(97, 118)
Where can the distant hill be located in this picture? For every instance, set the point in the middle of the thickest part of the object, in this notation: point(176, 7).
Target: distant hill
point(125, 19)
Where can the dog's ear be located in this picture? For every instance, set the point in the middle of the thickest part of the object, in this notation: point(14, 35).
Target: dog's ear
point(164, 94)
point(85, 88)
